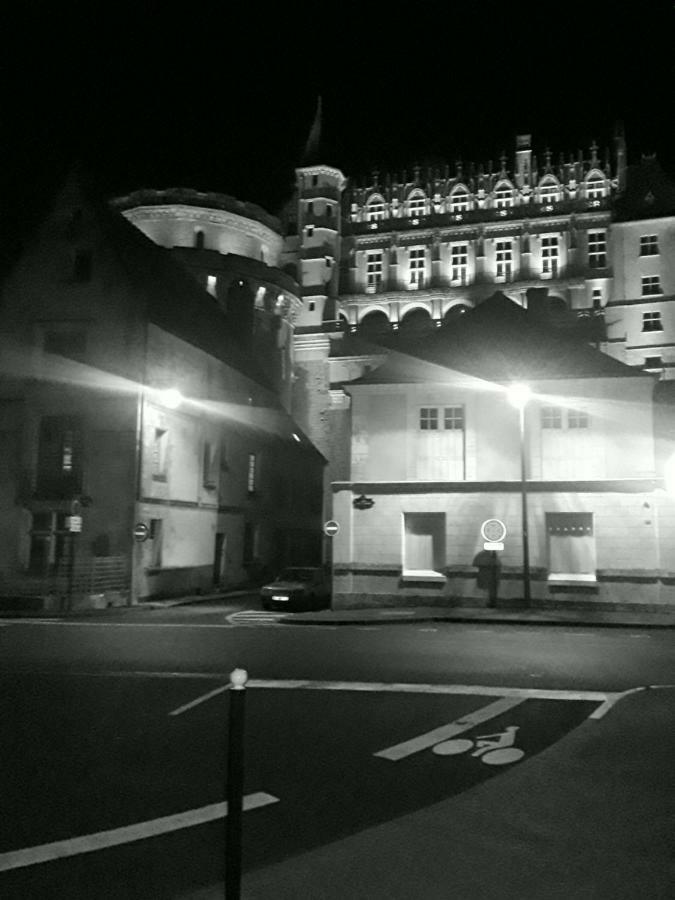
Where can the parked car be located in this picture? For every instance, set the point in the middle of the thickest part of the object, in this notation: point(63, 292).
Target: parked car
point(297, 588)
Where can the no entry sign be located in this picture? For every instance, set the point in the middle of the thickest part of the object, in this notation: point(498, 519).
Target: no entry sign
point(141, 531)
point(331, 528)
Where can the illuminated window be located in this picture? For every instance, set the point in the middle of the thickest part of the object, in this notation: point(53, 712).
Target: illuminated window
point(458, 263)
point(503, 197)
point(651, 321)
point(549, 193)
point(595, 187)
point(597, 249)
point(549, 256)
point(459, 201)
point(59, 462)
point(375, 209)
point(551, 417)
point(416, 206)
point(417, 257)
point(571, 546)
point(373, 270)
point(649, 245)
point(504, 258)
point(650, 286)
point(159, 445)
point(251, 473)
point(211, 284)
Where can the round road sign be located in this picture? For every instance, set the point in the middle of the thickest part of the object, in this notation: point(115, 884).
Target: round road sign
point(331, 528)
point(141, 531)
point(493, 530)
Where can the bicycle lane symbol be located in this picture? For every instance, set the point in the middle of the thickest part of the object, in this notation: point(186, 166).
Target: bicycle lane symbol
point(493, 749)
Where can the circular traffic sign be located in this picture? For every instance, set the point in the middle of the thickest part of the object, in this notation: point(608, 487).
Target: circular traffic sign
point(141, 531)
point(493, 531)
point(331, 528)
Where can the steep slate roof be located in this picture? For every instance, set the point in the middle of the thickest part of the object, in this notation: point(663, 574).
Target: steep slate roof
point(501, 342)
point(648, 194)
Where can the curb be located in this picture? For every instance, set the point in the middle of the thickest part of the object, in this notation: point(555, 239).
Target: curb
point(516, 620)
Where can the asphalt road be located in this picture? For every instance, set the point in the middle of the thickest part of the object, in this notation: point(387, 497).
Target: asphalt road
point(119, 721)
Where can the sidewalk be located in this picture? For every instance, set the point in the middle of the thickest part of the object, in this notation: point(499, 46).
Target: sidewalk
point(590, 818)
point(586, 617)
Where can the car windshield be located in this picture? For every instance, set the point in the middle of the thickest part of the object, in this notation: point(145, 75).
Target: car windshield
point(297, 575)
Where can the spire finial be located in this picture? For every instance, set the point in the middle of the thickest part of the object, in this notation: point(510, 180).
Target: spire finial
point(311, 152)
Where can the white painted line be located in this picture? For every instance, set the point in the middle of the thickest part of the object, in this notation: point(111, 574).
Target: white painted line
point(423, 741)
point(610, 701)
point(68, 624)
point(202, 699)
point(472, 689)
point(30, 856)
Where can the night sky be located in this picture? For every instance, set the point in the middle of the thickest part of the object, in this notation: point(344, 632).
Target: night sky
point(217, 98)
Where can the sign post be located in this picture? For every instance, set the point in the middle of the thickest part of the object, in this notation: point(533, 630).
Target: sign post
point(493, 532)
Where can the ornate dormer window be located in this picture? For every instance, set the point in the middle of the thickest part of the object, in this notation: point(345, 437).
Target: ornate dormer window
point(375, 208)
point(550, 191)
point(595, 188)
point(416, 205)
point(503, 195)
point(459, 200)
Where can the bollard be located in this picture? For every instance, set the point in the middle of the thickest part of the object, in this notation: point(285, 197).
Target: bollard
point(235, 784)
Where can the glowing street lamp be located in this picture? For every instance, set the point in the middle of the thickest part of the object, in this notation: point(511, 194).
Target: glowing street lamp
point(170, 397)
point(519, 395)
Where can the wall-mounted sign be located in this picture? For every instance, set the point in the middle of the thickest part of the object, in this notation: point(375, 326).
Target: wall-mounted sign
point(331, 528)
point(74, 523)
point(141, 531)
point(493, 531)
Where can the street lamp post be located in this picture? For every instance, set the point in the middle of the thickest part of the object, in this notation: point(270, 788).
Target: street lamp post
point(519, 394)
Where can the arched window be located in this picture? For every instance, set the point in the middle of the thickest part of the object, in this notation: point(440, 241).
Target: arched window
point(460, 200)
point(417, 205)
point(595, 186)
point(503, 195)
point(416, 323)
point(199, 239)
point(550, 191)
point(375, 208)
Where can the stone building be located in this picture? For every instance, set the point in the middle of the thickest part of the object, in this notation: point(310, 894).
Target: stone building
point(147, 446)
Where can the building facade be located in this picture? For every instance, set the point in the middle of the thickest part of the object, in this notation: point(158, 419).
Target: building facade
point(145, 452)
point(436, 452)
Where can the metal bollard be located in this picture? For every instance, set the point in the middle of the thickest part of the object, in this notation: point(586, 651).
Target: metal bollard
point(235, 784)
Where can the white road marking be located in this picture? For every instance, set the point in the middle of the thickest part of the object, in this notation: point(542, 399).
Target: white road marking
point(68, 624)
point(198, 700)
point(255, 617)
point(444, 732)
point(30, 856)
point(428, 630)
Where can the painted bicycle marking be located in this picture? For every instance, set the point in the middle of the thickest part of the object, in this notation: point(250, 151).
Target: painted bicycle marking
point(493, 749)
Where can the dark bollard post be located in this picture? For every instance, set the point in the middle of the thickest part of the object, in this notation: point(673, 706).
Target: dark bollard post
point(494, 580)
point(235, 784)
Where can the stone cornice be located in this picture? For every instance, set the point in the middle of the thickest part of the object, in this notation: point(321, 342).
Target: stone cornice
point(223, 218)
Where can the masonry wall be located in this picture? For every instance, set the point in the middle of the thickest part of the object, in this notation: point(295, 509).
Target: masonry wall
point(634, 533)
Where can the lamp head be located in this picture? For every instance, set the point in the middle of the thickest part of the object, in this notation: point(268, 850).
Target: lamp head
point(171, 398)
point(518, 395)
